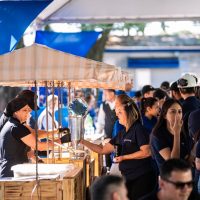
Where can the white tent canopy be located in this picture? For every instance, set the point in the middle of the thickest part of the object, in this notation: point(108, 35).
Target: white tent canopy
point(42, 64)
point(109, 11)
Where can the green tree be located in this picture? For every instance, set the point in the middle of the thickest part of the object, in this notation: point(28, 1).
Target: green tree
point(96, 52)
point(139, 27)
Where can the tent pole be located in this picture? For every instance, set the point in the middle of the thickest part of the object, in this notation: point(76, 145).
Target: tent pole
point(47, 121)
point(36, 133)
point(59, 117)
point(53, 123)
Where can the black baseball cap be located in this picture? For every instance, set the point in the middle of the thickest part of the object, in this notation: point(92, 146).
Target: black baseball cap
point(147, 88)
point(14, 105)
point(174, 86)
point(29, 96)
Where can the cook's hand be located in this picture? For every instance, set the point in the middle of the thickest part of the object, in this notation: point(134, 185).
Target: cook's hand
point(31, 154)
point(118, 159)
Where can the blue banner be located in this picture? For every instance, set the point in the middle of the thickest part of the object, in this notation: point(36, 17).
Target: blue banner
point(74, 43)
point(15, 17)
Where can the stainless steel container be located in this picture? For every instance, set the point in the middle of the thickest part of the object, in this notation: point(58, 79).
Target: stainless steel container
point(76, 129)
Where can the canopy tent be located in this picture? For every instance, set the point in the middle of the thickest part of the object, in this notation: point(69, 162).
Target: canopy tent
point(15, 17)
point(103, 11)
point(23, 66)
point(77, 44)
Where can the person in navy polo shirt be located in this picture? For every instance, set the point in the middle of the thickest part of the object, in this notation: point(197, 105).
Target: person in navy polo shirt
point(150, 110)
point(167, 139)
point(135, 155)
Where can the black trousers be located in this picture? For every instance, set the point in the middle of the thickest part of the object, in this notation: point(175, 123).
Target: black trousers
point(142, 186)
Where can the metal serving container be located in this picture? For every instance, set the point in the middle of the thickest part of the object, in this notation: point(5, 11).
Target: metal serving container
point(77, 111)
point(76, 129)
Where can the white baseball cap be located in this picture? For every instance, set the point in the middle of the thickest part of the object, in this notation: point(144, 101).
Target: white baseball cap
point(187, 81)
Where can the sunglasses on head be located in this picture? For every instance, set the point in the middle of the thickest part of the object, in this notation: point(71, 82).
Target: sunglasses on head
point(181, 185)
point(182, 82)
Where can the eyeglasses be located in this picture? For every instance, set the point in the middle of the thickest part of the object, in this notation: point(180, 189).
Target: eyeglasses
point(182, 82)
point(180, 185)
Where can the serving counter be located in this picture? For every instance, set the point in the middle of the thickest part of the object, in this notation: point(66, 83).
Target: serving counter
point(71, 187)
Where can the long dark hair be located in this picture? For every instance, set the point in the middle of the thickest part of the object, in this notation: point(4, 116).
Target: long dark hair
point(162, 122)
point(147, 102)
point(131, 109)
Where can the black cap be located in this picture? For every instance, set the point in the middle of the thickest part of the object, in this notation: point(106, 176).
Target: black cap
point(29, 96)
point(174, 86)
point(15, 105)
point(147, 88)
point(164, 85)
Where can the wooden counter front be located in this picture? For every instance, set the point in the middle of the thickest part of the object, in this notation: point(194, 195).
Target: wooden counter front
point(70, 188)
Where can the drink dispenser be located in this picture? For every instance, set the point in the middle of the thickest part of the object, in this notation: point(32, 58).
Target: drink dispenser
point(77, 112)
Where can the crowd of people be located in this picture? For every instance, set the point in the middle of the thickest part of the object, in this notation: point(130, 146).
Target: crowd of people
point(159, 125)
point(153, 139)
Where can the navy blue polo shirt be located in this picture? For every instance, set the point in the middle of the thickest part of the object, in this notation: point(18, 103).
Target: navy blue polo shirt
point(164, 139)
point(194, 123)
point(131, 142)
point(149, 123)
point(190, 104)
point(12, 150)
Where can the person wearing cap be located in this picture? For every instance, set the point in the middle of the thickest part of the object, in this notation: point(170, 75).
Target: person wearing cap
point(28, 95)
point(175, 93)
point(186, 85)
point(147, 91)
point(15, 137)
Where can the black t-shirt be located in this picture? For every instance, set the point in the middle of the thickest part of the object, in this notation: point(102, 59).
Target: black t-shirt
point(131, 142)
point(164, 139)
point(12, 150)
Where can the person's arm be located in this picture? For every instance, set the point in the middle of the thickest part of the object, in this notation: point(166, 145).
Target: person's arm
point(41, 133)
point(175, 152)
point(106, 149)
point(144, 152)
point(30, 141)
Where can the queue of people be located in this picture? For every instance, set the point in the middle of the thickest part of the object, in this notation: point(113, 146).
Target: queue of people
point(158, 137)
point(160, 134)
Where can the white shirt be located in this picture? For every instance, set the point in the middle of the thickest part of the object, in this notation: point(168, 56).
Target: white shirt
point(42, 121)
point(101, 117)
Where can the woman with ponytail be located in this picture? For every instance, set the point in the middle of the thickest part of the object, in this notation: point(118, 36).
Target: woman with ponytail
point(134, 157)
